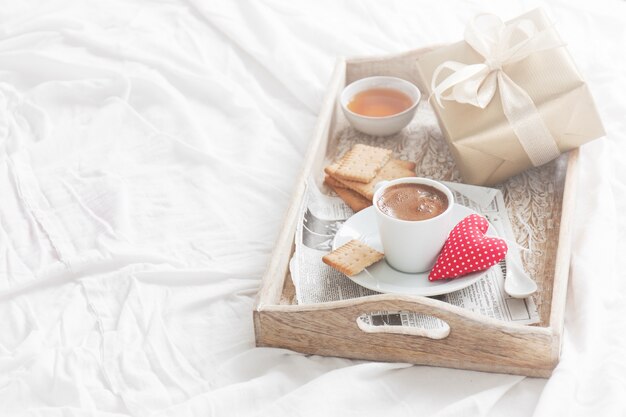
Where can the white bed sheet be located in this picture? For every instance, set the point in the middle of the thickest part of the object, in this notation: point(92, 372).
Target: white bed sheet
point(147, 154)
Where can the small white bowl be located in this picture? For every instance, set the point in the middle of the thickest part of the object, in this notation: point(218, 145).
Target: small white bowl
point(380, 126)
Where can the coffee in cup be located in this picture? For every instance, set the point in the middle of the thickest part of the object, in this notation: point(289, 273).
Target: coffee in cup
point(414, 217)
point(412, 202)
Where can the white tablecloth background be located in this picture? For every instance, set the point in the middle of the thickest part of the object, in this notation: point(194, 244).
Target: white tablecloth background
point(147, 155)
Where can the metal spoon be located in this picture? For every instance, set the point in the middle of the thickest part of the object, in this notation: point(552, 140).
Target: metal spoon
point(518, 284)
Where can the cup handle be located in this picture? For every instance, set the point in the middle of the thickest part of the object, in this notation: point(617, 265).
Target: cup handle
point(379, 184)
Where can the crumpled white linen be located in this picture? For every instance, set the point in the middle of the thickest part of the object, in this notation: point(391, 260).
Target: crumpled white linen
point(147, 155)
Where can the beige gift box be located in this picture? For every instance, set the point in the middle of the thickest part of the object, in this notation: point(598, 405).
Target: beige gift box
point(486, 148)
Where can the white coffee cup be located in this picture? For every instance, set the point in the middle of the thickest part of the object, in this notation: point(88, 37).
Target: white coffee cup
point(412, 246)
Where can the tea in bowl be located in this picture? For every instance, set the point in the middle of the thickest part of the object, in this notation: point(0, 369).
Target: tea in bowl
point(380, 105)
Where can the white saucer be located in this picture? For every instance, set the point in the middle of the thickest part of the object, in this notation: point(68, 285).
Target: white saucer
point(383, 278)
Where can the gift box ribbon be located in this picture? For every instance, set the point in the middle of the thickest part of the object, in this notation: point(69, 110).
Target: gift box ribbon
point(501, 44)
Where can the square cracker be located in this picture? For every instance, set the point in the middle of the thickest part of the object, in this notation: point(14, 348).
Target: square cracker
point(353, 199)
point(333, 183)
point(393, 169)
point(352, 258)
point(362, 163)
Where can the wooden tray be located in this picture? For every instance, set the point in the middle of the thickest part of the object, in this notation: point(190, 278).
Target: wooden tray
point(475, 341)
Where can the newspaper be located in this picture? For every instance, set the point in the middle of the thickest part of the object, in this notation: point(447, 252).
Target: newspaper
point(322, 215)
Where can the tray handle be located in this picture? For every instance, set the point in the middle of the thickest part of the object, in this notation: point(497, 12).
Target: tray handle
point(436, 334)
point(465, 324)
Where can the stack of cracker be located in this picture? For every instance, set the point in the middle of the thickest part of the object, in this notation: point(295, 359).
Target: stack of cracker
point(354, 176)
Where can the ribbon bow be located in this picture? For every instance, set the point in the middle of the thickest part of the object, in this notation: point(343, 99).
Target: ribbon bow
point(476, 84)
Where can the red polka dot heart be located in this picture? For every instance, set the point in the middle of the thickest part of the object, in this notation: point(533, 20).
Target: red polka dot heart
point(468, 250)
